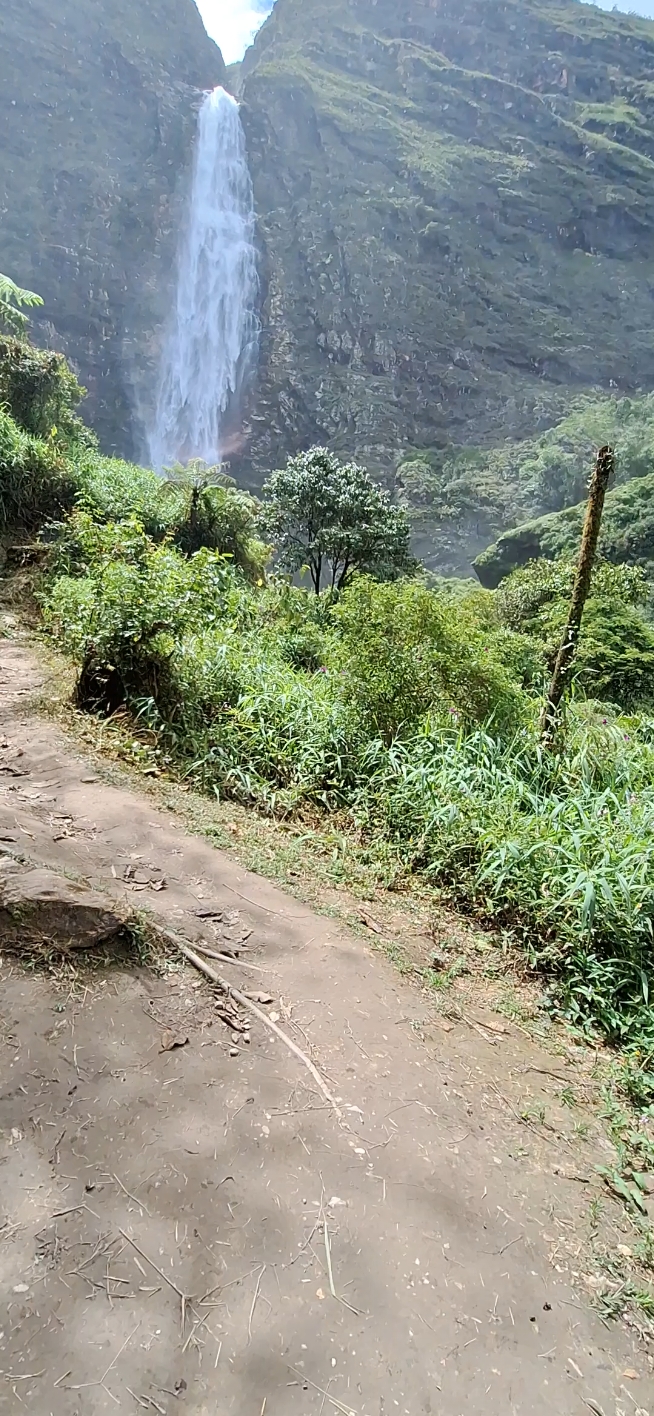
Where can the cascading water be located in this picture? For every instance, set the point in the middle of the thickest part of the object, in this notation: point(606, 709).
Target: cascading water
point(212, 339)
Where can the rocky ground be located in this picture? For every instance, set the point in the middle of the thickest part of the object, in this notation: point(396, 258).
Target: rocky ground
point(188, 1225)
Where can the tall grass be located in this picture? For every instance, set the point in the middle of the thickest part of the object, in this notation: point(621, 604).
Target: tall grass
point(560, 851)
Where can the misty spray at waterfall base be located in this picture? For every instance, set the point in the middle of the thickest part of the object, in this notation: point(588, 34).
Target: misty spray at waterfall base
point(210, 346)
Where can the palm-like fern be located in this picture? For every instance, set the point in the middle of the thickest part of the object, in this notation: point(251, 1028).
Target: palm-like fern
point(12, 297)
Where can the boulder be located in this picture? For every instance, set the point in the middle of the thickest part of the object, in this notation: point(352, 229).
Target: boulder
point(37, 906)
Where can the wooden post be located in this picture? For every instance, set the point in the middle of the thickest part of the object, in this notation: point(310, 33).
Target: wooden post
point(604, 467)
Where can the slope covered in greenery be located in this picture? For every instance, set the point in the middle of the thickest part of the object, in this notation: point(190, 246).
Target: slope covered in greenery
point(408, 710)
point(627, 535)
point(456, 208)
point(460, 498)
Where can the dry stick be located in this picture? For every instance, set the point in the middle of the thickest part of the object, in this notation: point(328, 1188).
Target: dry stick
point(252, 1008)
point(129, 1196)
point(604, 467)
point(254, 1301)
point(228, 959)
point(340, 1405)
point(330, 1275)
point(183, 1297)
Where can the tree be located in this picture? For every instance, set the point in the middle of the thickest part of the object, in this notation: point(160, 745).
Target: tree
point(331, 517)
point(12, 319)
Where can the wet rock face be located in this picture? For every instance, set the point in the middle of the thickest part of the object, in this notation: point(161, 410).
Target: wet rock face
point(98, 107)
point(456, 210)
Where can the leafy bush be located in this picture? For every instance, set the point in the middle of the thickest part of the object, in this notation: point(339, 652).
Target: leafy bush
point(131, 605)
point(39, 390)
point(35, 483)
point(615, 659)
point(217, 517)
point(405, 651)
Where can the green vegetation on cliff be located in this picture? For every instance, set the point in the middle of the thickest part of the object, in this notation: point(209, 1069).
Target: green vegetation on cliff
point(627, 534)
point(411, 710)
point(460, 498)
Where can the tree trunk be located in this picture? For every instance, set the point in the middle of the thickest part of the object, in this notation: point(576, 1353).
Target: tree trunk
point(602, 471)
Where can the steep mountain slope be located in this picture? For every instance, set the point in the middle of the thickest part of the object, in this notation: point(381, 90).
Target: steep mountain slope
point(627, 534)
point(456, 204)
point(97, 113)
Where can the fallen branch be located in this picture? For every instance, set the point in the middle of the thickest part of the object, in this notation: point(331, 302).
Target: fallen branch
point(245, 1002)
point(228, 959)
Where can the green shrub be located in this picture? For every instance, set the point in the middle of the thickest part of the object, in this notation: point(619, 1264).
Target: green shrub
point(35, 483)
point(216, 517)
point(39, 389)
point(615, 659)
point(134, 602)
point(405, 652)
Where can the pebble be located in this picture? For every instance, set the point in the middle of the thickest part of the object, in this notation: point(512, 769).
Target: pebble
point(233, 1051)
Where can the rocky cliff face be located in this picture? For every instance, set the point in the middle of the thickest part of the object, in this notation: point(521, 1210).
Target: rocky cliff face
point(98, 103)
point(456, 209)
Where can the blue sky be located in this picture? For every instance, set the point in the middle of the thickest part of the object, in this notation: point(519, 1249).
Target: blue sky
point(634, 7)
point(234, 23)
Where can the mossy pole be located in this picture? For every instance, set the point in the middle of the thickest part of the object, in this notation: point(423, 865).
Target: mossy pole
point(604, 467)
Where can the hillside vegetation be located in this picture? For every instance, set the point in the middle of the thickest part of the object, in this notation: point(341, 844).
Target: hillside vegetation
point(408, 710)
point(460, 498)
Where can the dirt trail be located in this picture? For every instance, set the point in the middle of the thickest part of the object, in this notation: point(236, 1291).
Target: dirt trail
point(451, 1239)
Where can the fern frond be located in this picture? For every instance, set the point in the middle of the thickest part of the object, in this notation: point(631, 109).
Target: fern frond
point(12, 296)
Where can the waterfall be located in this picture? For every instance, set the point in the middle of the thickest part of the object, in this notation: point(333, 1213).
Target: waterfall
point(211, 341)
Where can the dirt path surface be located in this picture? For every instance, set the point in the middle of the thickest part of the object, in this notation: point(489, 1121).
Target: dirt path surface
point(421, 1255)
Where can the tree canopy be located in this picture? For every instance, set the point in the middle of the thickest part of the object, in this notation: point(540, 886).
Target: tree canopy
point(330, 516)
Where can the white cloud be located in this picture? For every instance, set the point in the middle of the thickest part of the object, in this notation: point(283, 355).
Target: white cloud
point(233, 23)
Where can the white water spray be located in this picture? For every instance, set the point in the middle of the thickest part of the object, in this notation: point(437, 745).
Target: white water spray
point(212, 339)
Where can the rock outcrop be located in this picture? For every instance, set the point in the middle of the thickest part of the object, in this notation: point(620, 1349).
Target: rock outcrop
point(456, 214)
point(38, 907)
point(98, 106)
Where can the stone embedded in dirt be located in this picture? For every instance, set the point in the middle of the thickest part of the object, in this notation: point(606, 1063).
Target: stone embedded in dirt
point(144, 877)
point(170, 1041)
point(39, 907)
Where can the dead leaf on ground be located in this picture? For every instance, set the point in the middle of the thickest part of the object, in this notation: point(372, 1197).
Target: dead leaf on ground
point(171, 1040)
